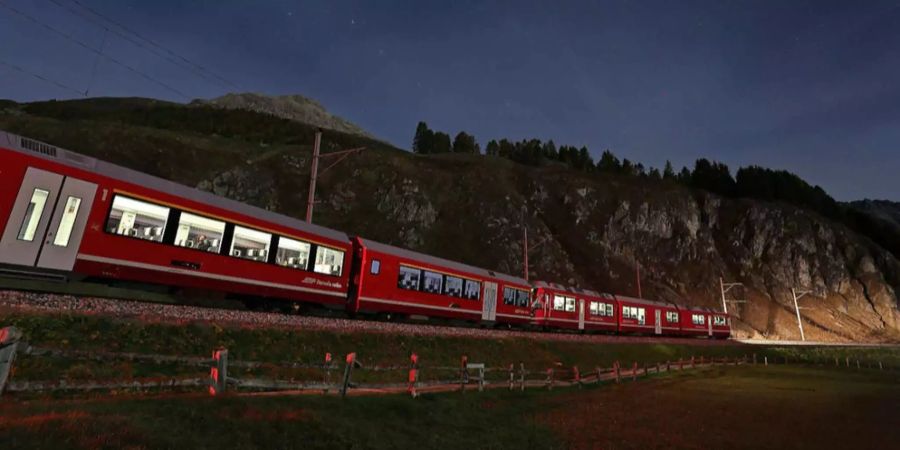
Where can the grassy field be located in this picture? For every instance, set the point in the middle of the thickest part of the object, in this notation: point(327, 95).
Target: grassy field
point(733, 407)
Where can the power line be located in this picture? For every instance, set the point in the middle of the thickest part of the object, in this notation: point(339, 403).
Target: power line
point(42, 78)
point(153, 43)
point(190, 66)
point(93, 50)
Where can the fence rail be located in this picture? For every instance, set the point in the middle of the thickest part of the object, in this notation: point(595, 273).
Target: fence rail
point(466, 376)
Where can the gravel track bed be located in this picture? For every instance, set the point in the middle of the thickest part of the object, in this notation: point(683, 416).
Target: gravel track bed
point(180, 314)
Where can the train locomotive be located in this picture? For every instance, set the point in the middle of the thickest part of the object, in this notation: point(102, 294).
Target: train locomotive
point(65, 215)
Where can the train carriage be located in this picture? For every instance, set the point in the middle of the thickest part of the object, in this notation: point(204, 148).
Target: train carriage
point(69, 213)
point(637, 315)
point(573, 308)
point(700, 321)
point(399, 281)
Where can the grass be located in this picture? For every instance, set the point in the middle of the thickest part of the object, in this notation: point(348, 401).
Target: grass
point(734, 407)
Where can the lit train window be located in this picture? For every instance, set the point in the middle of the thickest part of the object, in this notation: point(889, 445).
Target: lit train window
point(329, 261)
point(136, 218)
point(595, 309)
point(250, 244)
point(671, 316)
point(522, 297)
point(509, 296)
point(559, 303)
point(473, 290)
point(698, 319)
point(432, 282)
point(64, 231)
point(294, 254)
point(641, 315)
point(33, 215)
point(199, 232)
point(718, 320)
point(375, 268)
point(570, 304)
point(453, 286)
point(408, 278)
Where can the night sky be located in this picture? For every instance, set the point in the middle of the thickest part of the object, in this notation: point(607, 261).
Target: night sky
point(808, 86)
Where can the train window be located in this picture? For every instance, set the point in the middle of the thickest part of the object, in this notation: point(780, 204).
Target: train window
point(199, 232)
point(609, 309)
point(641, 315)
point(698, 319)
point(671, 316)
point(136, 218)
point(432, 282)
point(329, 261)
point(626, 312)
point(375, 268)
point(718, 320)
point(453, 286)
point(595, 309)
point(473, 290)
point(292, 253)
point(409, 278)
point(570, 304)
point(33, 214)
point(559, 303)
point(64, 231)
point(522, 298)
point(250, 244)
point(509, 296)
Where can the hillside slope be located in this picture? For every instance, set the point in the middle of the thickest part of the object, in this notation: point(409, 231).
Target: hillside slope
point(292, 107)
point(471, 208)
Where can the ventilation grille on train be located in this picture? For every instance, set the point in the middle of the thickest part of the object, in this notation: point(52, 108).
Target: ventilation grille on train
point(38, 147)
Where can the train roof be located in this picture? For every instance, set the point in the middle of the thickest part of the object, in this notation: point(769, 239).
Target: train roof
point(72, 159)
point(409, 254)
point(570, 289)
point(644, 301)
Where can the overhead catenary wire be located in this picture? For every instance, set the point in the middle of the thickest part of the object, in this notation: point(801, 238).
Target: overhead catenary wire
point(93, 50)
point(97, 19)
point(42, 78)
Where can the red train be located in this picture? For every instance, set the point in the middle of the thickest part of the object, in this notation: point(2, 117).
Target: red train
point(72, 215)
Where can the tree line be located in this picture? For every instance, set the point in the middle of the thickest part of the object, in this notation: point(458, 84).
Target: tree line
point(748, 182)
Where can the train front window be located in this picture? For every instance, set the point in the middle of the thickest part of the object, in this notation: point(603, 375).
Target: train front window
point(67, 222)
point(199, 232)
point(453, 286)
point(136, 218)
point(329, 261)
point(250, 244)
point(33, 215)
point(292, 253)
point(408, 278)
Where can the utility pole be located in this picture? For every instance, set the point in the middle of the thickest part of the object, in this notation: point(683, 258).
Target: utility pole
point(313, 173)
point(314, 169)
point(724, 288)
point(797, 295)
point(638, 274)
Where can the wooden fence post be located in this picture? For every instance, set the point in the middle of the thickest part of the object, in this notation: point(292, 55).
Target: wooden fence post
point(522, 376)
point(577, 376)
point(413, 374)
point(668, 366)
point(599, 372)
point(9, 344)
point(464, 374)
point(327, 368)
point(350, 363)
point(550, 379)
point(616, 368)
point(634, 371)
point(766, 360)
point(754, 359)
point(218, 373)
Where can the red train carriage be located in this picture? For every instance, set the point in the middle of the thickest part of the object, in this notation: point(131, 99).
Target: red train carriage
point(72, 213)
point(700, 321)
point(573, 308)
point(637, 315)
point(400, 281)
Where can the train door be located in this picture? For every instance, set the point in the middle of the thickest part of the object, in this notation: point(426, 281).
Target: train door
point(47, 221)
point(489, 307)
point(581, 314)
point(658, 317)
point(709, 324)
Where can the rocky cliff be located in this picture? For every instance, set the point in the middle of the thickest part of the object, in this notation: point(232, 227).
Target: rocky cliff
point(588, 230)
